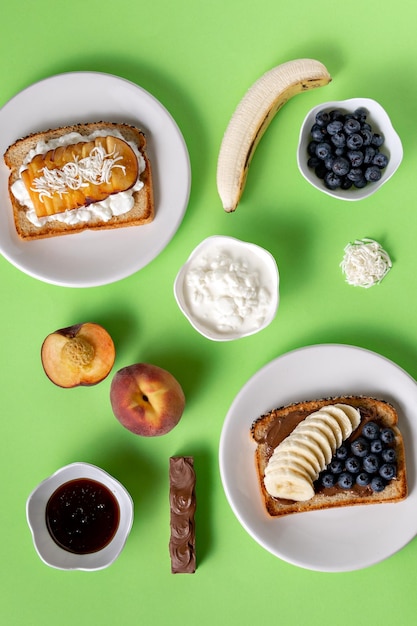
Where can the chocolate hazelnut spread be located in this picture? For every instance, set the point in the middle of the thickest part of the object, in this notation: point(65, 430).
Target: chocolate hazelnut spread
point(182, 508)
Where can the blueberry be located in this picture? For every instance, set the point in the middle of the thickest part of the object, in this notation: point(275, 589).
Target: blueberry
point(388, 471)
point(378, 483)
point(355, 157)
point(372, 174)
point(335, 466)
point(371, 430)
point(376, 446)
point(387, 435)
point(360, 183)
point(377, 140)
point(363, 479)
point(353, 464)
point(342, 452)
point(338, 140)
point(346, 183)
point(328, 162)
point(355, 174)
point(360, 447)
point(332, 181)
point(339, 151)
point(366, 136)
point(360, 114)
point(345, 480)
point(336, 114)
point(311, 148)
point(389, 455)
point(327, 480)
point(322, 118)
point(354, 141)
point(369, 154)
point(323, 150)
point(313, 162)
point(318, 133)
point(371, 463)
point(340, 166)
point(352, 126)
point(380, 160)
point(320, 170)
point(334, 127)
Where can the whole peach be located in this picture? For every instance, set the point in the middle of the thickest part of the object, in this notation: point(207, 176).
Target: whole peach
point(146, 399)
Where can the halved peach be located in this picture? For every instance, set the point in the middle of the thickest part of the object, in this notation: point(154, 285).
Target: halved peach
point(82, 354)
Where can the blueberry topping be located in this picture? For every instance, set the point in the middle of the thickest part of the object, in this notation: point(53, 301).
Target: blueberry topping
point(360, 447)
point(389, 455)
point(371, 430)
point(387, 435)
point(378, 484)
point(363, 479)
point(342, 452)
point(371, 463)
point(328, 480)
point(345, 480)
point(336, 466)
point(353, 464)
point(388, 471)
point(376, 446)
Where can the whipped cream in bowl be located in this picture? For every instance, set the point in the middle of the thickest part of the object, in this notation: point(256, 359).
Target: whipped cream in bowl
point(228, 288)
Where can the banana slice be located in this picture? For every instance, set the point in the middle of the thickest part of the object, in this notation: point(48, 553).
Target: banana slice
point(318, 435)
point(292, 458)
point(352, 413)
point(304, 446)
point(342, 417)
point(253, 116)
point(333, 424)
point(289, 484)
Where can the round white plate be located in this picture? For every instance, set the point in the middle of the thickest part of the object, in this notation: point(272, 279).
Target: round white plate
point(101, 257)
point(336, 540)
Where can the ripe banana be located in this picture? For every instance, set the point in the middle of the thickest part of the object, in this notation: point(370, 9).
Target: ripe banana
point(298, 460)
point(253, 116)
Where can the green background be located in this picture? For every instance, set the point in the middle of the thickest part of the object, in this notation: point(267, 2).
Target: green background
point(198, 58)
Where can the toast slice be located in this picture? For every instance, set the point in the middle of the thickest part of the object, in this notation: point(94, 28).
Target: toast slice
point(56, 213)
point(270, 429)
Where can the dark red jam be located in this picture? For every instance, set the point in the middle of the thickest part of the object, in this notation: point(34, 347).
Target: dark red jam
point(82, 516)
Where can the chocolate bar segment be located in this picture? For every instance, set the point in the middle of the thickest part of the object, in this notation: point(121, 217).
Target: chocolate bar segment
point(182, 508)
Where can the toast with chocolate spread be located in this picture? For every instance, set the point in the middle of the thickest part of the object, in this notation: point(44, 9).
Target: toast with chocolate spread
point(85, 176)
point(366, 467)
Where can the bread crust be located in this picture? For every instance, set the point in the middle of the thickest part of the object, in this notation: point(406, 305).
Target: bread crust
point(143, 211)
point(381, 411)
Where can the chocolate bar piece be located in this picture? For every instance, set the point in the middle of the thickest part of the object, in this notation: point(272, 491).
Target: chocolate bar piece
point(182, 507)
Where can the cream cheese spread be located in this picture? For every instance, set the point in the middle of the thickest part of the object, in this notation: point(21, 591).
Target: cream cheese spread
point(365, 263)
point(225, 293)
point(113, 205)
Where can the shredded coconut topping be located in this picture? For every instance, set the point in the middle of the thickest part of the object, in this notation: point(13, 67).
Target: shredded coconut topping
point(365, 263)
point(94, 169)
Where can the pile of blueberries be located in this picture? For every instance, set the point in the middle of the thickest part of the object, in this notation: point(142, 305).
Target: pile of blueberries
point(370, 459)
point(344, 151)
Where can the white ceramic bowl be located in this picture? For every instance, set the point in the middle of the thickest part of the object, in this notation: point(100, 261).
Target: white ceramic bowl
point(237, 258)
point(380, 122)
point(49, 551)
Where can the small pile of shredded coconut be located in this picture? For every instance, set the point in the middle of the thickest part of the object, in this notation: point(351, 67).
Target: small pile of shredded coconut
point(365, 263)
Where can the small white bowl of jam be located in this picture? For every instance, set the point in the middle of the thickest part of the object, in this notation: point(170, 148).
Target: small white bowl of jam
point(80, 518)
point(228, 288)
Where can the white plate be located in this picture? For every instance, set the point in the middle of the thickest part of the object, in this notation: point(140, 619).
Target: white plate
point(96, 258)
point(336, 540)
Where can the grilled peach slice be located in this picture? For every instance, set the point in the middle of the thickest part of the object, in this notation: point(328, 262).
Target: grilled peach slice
point(82, 354)
point(80, 174)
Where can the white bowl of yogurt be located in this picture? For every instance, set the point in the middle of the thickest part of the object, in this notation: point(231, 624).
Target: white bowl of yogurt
point(228, 288)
